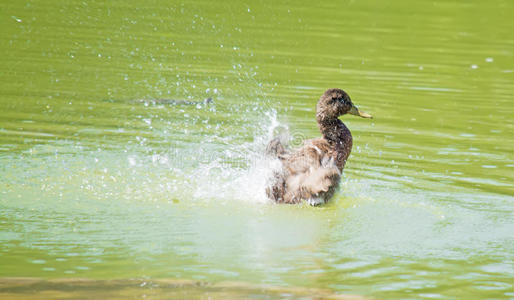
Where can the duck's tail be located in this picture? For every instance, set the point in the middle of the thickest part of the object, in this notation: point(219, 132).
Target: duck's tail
point(275, 148)
point(276, 185)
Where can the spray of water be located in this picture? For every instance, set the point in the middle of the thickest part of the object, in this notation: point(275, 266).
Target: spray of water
point(222, 179)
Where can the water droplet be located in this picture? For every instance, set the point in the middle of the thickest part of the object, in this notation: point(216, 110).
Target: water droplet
point(489, 166)
point(39, 261)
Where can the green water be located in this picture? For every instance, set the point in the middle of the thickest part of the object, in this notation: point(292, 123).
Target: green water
point(96, 184)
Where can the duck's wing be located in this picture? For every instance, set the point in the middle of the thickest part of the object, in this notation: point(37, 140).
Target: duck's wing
point(312, 171)
point(310, 156)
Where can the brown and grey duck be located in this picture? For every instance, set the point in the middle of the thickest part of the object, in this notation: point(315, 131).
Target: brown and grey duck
point(312, 173)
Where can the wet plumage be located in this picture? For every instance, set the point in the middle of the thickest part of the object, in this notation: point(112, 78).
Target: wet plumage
point(312, 173)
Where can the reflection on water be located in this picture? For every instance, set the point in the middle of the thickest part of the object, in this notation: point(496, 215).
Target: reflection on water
point(96, 184)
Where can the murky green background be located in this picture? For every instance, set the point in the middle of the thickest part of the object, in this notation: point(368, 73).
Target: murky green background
point(97, 184)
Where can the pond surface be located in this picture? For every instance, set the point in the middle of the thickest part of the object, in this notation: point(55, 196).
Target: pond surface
point(98, 181)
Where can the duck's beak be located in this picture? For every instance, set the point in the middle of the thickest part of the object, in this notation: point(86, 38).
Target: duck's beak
point(356, 112)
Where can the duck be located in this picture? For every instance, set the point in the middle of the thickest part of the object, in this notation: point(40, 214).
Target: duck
point(312, 173)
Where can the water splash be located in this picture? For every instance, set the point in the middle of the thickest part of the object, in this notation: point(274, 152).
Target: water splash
point(240, 171)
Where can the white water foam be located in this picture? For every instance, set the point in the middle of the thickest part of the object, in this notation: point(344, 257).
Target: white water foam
point(222, 180)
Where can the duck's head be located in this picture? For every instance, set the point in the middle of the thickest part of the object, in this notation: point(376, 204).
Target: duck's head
point(334, 103)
